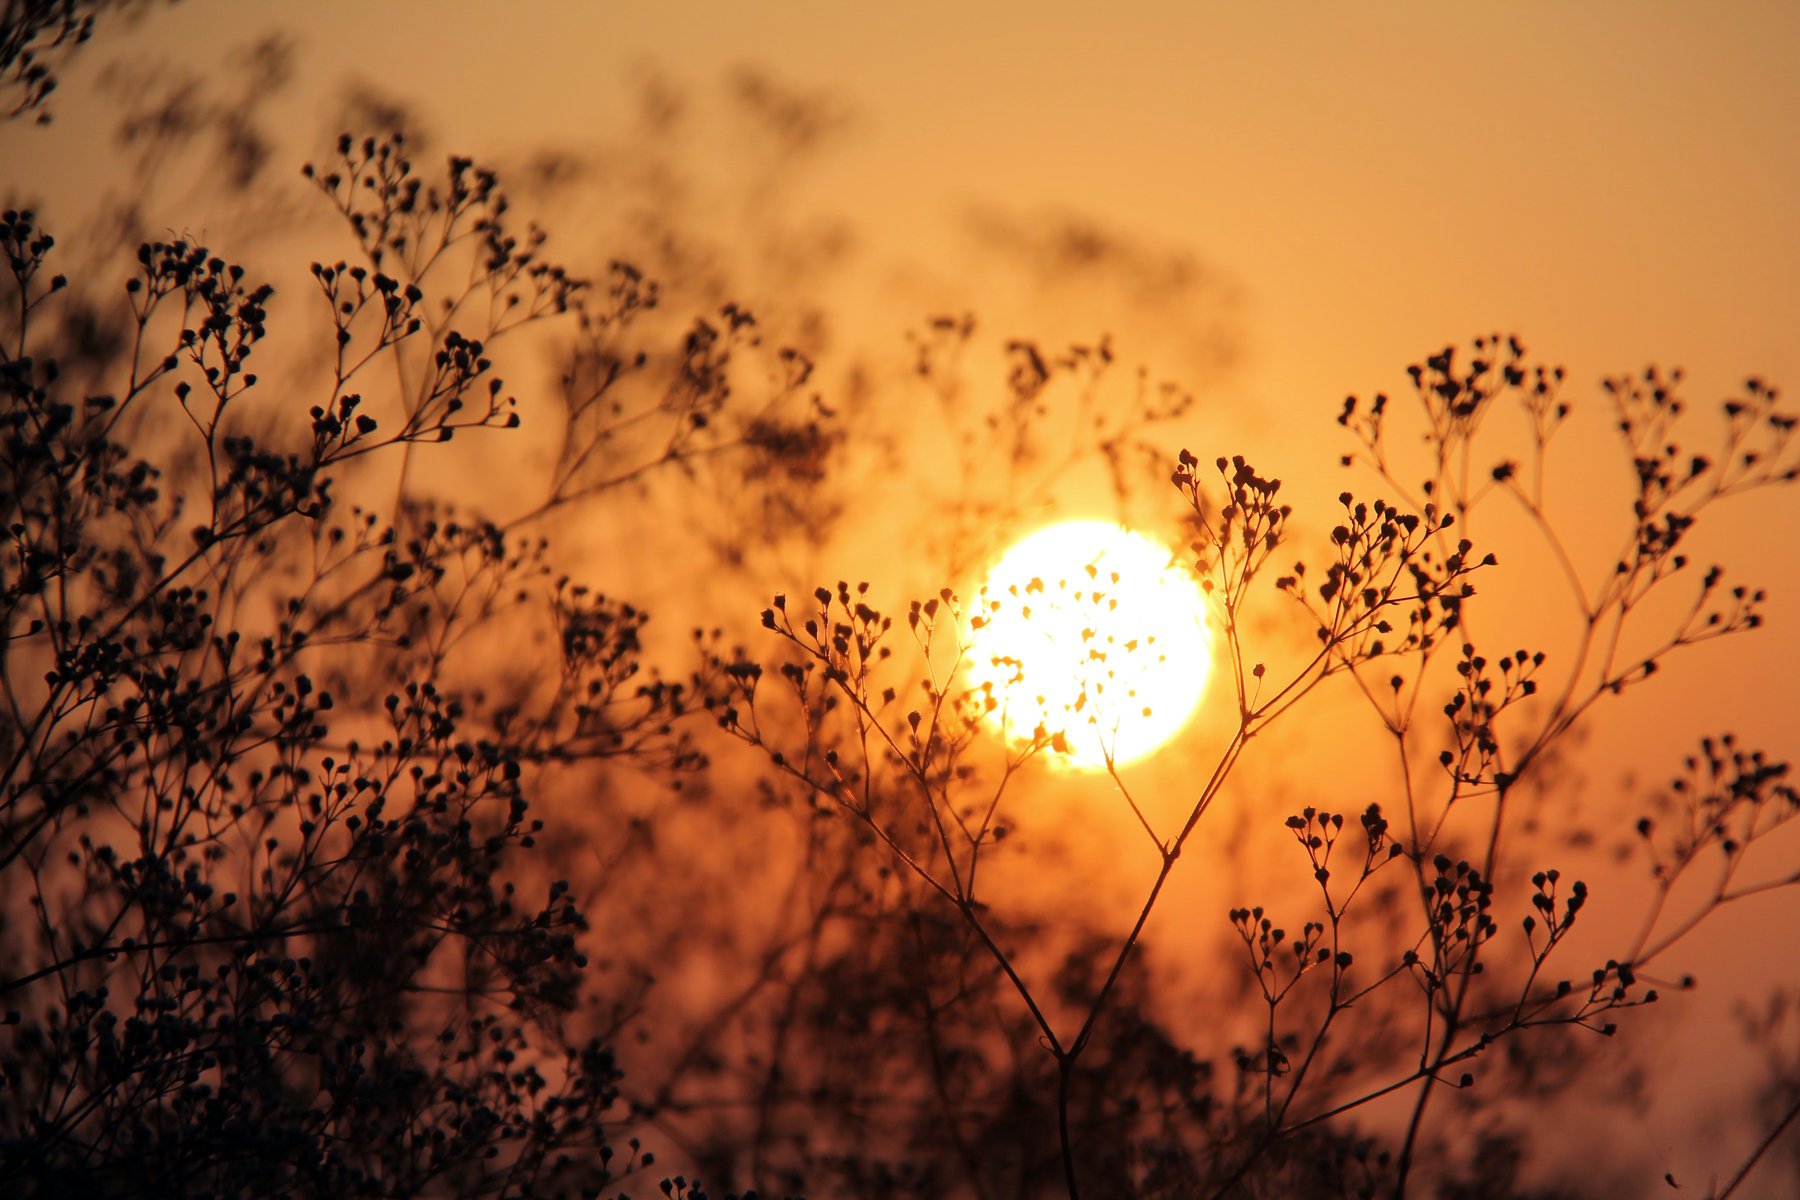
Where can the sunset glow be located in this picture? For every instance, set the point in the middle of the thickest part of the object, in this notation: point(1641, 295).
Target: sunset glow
point(1094, 632)
point(626, 602)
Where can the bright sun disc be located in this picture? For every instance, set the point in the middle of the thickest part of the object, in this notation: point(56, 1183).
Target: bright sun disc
point(1095, 632)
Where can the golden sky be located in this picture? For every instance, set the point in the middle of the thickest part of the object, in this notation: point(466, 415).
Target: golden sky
point(1359, 184)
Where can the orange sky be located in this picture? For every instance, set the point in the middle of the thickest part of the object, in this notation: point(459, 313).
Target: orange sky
point(1615, 182)
point(1614, 179)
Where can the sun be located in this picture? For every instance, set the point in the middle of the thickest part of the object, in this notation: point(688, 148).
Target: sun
point(1095, 632)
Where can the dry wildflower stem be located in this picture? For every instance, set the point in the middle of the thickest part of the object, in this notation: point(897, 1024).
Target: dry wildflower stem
point(242, 872)
point(1395, 597)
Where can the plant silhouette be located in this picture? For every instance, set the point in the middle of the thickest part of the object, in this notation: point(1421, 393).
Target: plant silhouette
point(349, 843)
point(1394, 598)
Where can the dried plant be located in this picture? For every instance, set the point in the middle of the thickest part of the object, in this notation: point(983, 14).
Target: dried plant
point(283, 912)
point(1391, 609)
point(37, 39)
point(270, 926)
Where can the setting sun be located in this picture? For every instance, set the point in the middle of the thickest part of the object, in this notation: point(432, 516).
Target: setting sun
point(1095, 632)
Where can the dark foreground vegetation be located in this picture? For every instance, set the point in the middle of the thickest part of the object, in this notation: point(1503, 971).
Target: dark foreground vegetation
point(351, 840)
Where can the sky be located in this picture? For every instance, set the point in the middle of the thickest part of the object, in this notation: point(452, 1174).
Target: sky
point(1347, 187)
point(1613, 174)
